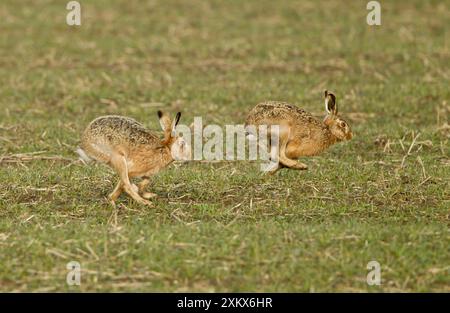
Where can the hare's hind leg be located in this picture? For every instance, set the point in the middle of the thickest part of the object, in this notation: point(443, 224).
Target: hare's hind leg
point(142, 185)
point(283, 138)
point(287, 162)
point(119, 163)
point(273, 168)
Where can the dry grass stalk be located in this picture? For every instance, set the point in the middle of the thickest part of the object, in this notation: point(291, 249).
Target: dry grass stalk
point(33, 156)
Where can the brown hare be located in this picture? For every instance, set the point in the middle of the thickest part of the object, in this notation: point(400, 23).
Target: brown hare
point(132, 151)
point(300, 134)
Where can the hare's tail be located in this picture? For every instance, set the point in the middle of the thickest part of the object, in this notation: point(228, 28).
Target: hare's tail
point(83, 156)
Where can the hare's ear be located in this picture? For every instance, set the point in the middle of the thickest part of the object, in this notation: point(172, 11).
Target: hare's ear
point(330, 103)
point(175, 123)
point(164, 121)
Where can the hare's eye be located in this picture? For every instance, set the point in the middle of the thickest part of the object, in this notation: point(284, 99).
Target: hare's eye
point(343, 124)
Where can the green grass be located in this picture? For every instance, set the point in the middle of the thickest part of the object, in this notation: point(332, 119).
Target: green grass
point(223, 226)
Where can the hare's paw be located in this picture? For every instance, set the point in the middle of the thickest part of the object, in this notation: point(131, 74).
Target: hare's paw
point(300, 166)
point(146, 202)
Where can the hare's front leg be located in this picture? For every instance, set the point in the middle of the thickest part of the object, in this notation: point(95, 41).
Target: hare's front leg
point(119, 163)
point(142, 185)
point(116, 192)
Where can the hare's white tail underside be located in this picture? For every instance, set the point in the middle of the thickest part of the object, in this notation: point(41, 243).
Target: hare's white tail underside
point(83, 156)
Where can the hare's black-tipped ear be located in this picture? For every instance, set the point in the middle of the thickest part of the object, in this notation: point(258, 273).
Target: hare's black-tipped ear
point(164, 121)
point(330, 103)
point(175, 123)
point(177, 118)
point(161, 121)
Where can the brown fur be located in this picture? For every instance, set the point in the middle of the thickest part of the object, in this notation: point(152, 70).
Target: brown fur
point(300, 133)
point(129, 148)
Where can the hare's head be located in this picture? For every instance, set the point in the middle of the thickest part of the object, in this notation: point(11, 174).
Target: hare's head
point(180, 150)
point(338, 127)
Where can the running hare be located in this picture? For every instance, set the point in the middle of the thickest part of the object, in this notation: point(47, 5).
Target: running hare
point(132, 150)
point(300, 134)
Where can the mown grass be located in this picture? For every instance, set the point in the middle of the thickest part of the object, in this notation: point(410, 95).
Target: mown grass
point(223, 226)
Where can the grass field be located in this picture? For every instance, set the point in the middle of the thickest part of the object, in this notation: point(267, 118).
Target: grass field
point(382, 196)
